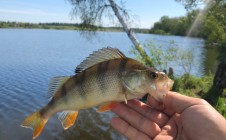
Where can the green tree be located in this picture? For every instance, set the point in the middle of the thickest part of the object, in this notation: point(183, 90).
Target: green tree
point(212, 25)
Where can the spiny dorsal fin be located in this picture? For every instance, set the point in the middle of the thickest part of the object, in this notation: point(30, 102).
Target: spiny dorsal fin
point(55, 84)
point(96, 57)
point(67, 118)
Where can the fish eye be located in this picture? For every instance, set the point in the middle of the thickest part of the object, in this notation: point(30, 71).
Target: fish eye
point(154, 75)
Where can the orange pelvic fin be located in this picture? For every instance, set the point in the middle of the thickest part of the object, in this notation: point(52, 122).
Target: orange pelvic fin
point(68, 118)
point(35, 122)
point(107, 106)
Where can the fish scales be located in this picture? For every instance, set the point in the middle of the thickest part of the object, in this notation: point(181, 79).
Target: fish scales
point(107, 84)
point(91, 84)
point(111, 80)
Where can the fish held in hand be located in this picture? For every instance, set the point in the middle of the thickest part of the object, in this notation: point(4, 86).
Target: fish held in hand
point(103, 79)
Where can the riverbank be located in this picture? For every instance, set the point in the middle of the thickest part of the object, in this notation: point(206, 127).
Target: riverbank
point(65, 26)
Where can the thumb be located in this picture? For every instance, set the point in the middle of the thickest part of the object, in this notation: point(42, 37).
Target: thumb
point(178, 102)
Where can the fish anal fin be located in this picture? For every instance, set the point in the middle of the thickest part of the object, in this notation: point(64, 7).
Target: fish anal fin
point(35, 122)
point(68, 118)
point(107, 106)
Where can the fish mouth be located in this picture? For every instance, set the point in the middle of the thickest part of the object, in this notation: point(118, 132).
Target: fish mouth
point(168, 85)
point(161, 89)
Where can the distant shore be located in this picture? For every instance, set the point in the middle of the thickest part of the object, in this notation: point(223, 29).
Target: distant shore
point(65, 26)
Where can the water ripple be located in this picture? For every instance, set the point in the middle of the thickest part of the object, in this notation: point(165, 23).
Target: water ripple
point(28, 61)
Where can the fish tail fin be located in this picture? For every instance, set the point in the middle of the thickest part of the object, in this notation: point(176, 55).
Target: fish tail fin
point(36, 122)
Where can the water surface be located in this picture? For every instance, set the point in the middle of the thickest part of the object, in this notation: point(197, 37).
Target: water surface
point(30, 58)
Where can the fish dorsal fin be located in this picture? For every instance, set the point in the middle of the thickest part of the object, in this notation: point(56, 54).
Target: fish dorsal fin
point(96, 57)
point(55, 84)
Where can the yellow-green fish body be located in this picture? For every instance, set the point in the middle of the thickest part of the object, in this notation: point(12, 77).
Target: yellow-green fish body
point(104, 78)
point(98, 84)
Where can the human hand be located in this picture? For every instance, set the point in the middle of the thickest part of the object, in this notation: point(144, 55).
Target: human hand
point(178, 117)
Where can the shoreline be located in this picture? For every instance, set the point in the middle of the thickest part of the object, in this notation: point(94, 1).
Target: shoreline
point(65, 26)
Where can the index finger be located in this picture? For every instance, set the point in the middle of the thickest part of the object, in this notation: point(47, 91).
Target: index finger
point(178, 102)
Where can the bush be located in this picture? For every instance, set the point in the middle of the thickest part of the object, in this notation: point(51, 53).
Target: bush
point(193, 86)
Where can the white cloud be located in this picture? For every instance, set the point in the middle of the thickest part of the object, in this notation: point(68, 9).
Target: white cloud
point(32, 12)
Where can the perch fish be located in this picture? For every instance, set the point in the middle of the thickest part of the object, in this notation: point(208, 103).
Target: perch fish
point(103, 79)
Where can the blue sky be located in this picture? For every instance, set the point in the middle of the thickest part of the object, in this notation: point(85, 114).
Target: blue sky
point(146, 11)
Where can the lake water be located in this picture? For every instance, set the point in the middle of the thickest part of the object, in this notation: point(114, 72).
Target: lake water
point(30, 58)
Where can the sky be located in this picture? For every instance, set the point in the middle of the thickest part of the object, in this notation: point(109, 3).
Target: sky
point(146, 12)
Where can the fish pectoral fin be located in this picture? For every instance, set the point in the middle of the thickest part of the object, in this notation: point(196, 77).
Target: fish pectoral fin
point(67, 118)
point(107, 106)
point(35, 122)
point(125, 98)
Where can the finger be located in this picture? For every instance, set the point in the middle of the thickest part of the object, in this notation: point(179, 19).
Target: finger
point(159, 106)
point(127, 130)
point(178, 103)
point(154, 115)
point(155, 104)
point(137, 120)
point(172, 130)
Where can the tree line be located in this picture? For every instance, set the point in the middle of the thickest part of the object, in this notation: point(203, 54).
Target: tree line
point(53, 25)
point(211, 27)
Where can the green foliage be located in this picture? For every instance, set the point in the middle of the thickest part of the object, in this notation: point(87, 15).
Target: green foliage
point(158, 31)
point(211, 26)
point(155, 53)
point(216, 98)
point(171, 54)
point(176, 25)
point(221, 105)
point(172, 26)
point(201, 87)
point(141, 53)
point(222, 51)
point(58, 26)
point(214, 25)
point(33, 25)
point(193, 86)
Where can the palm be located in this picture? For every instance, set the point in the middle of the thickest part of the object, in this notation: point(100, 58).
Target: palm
point(150, 123)
point(172, 130)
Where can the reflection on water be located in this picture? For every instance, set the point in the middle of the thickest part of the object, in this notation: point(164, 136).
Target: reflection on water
point(30, 58)
point(96, 127)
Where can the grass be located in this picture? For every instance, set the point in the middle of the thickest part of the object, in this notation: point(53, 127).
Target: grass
point(202, 88)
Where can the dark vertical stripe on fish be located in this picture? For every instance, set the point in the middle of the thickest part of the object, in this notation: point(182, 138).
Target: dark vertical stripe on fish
point(122, 67)
point(63, 91)
point(79, 80)
point(43, 111)
point(49, 105)
point(101, 76)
